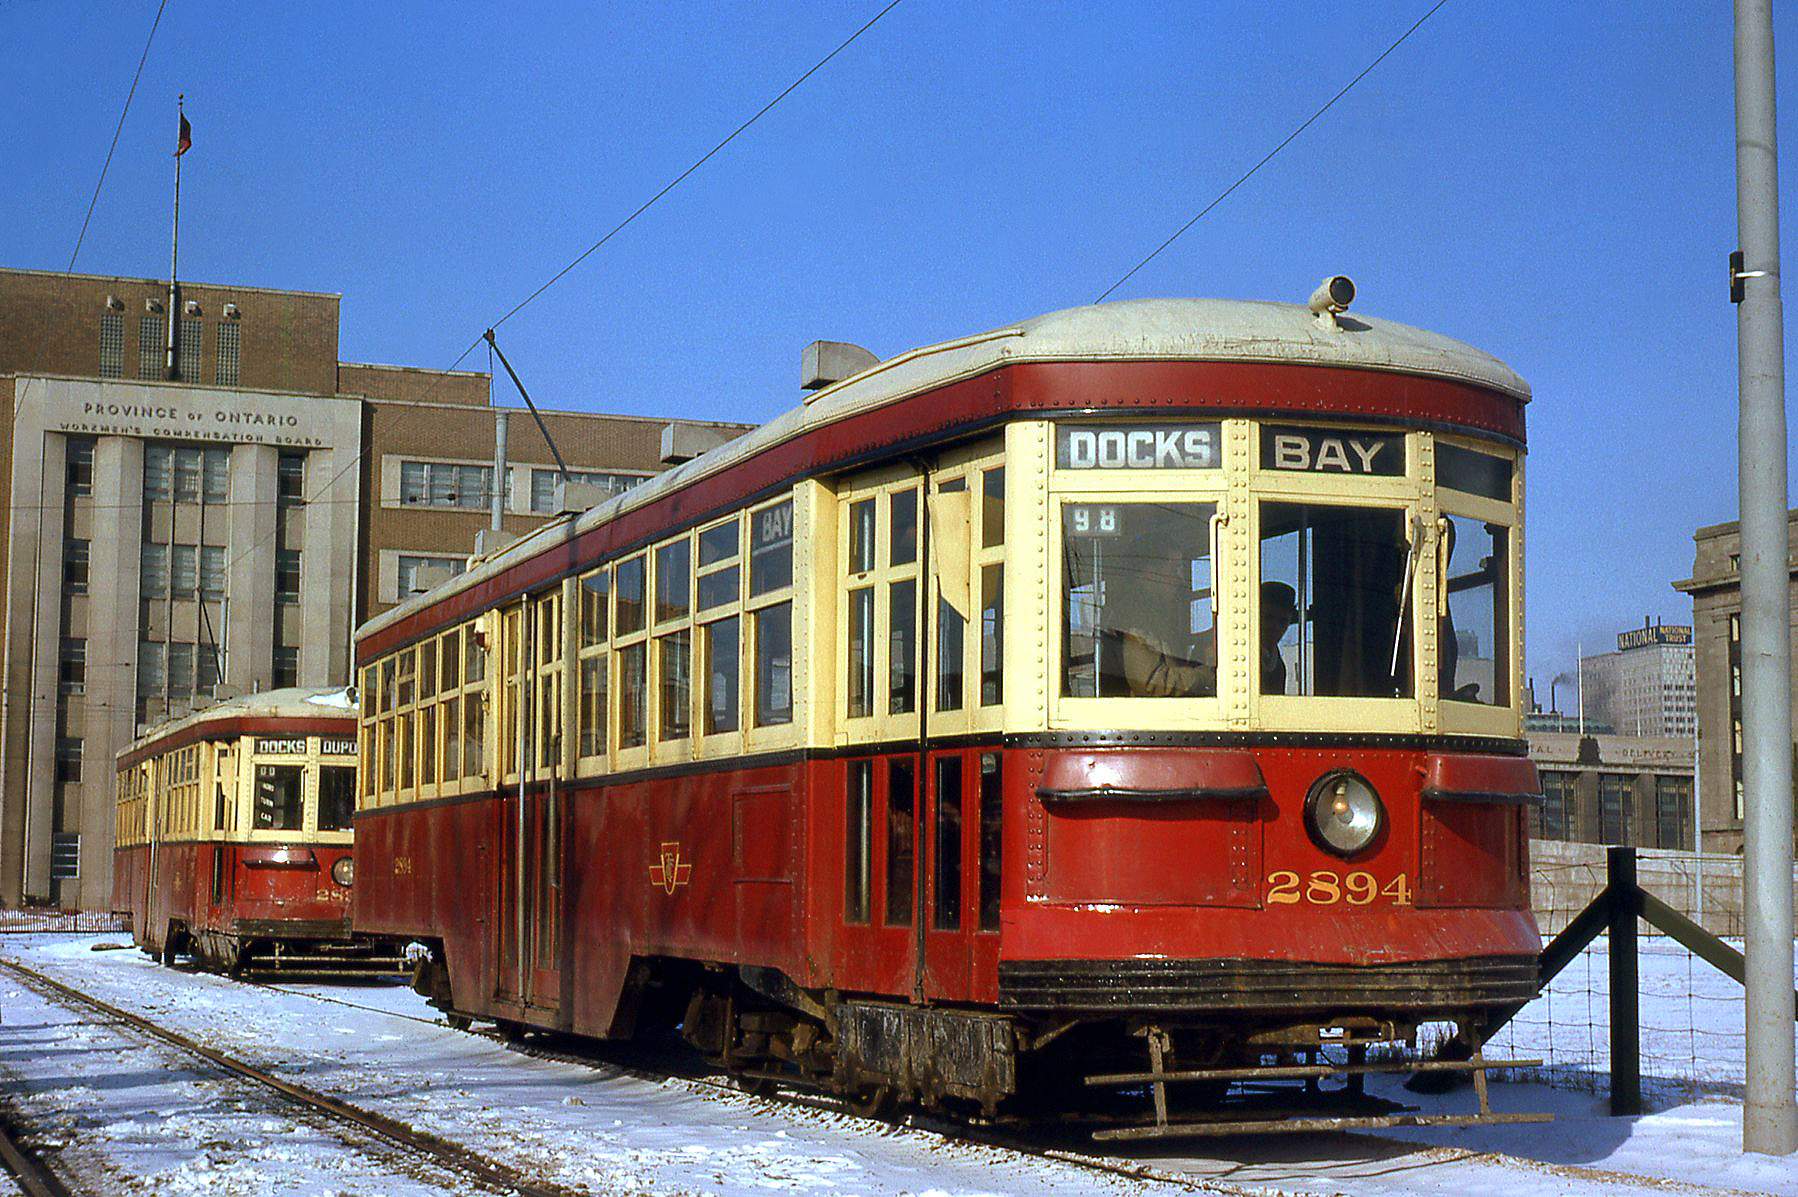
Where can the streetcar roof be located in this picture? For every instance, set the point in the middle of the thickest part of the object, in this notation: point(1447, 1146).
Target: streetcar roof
point(1197, 330)
point(291, 702)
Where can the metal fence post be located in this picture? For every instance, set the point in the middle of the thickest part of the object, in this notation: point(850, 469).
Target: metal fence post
point(1626, 1035)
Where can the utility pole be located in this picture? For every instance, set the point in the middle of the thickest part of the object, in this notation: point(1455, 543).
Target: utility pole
point(1769, 1116)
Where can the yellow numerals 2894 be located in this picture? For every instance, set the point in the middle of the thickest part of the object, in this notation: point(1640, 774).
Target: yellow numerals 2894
point(1327, 887)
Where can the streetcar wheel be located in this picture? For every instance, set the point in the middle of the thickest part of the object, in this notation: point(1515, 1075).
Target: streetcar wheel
point(872, 1101)
point(457, 1022)
point(510, 1031)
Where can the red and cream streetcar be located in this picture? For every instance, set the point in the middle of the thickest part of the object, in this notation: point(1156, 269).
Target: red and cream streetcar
point(234, 833)
point(1129, 697)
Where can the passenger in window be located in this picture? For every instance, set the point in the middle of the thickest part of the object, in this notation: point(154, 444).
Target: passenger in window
point(1279, 611)
point(1148, 640)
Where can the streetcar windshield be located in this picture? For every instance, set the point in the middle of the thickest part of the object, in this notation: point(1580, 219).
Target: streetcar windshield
point(1336, 591)
point(1137, 600)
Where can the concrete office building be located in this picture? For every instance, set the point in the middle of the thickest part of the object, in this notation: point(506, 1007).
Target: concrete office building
point(1648, 687)
point(1716, 590)
point(226, 526)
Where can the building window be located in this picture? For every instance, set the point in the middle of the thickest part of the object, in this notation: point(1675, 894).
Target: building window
point(187, 349)
point(212, 573)
point(80, 466)
point(187, 475)
point(184, 570)
point(72, 677)
point(181, 670)
point(152, 669)
point(112, 345)
point(411, 567)
point(215, 470)
point(68, 759)
point(290, 478)
point(224, 368)
point(1613, 808)
point(207, 673)
point(65, 856)
point(286, 666)
point(287, 575)
point(442, 484)
point(152, 346)
point(1672, 811)
point(159, 466)
point(74, 566)
point(153, 571)
point(543, 486)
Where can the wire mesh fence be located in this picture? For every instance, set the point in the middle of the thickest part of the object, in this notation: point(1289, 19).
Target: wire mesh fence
point(1692, 1040)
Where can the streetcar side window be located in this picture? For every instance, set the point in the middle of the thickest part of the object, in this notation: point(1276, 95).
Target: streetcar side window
point(546, 712)
point(721, 675)
point(770, 575)
point(1333, 615)
point(946, 848)
point(992, 793)
point(858, 842)
point(774, 665)
point(632, 659)
point(1474, 642)
point(901, 836)
point(674, 644)
point(591, 711)
point(951, 626)
point(1137, 600)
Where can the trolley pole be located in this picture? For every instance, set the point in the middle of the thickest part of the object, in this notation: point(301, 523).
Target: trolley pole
point(1769, 1117)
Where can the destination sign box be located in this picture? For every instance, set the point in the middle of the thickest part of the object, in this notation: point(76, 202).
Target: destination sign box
point(281, 745)
point(1139, 447)
point(1326, 451)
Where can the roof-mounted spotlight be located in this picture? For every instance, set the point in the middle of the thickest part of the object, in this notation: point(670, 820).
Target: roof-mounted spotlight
point(114, 304)
point(1333, 295)
point(152, 304)
point(192, 307)
point(231, 312)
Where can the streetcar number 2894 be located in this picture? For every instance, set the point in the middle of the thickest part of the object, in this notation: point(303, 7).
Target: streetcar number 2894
point(1327, 887)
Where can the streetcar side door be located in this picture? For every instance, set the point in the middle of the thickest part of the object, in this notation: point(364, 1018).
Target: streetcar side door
point(534, 805)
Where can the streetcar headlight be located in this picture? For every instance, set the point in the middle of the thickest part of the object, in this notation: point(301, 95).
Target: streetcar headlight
point(344, 871)
point(1343, 812)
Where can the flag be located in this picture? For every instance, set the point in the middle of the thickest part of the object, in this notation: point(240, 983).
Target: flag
point(185, 141)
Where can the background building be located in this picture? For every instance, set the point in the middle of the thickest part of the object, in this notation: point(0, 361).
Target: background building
point(1648, 687)
point(226, 526)
point(1599, 789)
point(1716, 590)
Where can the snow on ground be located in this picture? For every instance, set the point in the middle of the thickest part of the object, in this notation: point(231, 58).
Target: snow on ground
point(593, 1127)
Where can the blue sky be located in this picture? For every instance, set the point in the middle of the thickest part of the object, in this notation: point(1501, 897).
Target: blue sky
point(1553, 183)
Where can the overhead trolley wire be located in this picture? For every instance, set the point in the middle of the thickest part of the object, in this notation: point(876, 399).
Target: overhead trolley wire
point(355, 460)
point(82, 236)
point(676, 181)
point(1290, 137)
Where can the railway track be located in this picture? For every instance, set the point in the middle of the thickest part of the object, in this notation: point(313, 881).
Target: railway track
point(483, 1171)
point(656, 1064)
point(28, 1167)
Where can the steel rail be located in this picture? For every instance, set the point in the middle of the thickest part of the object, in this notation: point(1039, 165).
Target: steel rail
point(442, 1151)
point(30, 1169)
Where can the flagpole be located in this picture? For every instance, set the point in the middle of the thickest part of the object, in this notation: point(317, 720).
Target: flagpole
point(174, 248)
